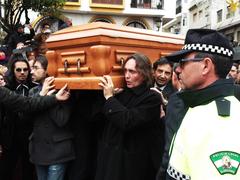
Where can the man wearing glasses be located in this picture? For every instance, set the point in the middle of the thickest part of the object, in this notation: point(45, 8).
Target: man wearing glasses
point(19, 127)
point(206, 122)
point(51, 142)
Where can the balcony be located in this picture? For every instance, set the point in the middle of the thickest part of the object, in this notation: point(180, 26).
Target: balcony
point(147, 4)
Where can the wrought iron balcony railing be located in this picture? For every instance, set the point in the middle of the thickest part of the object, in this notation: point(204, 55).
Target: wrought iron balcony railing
point(148, 4)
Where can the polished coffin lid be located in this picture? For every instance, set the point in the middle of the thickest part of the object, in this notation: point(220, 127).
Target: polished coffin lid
point(80, 55)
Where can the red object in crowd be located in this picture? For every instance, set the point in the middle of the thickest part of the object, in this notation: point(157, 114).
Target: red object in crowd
point(2, 56)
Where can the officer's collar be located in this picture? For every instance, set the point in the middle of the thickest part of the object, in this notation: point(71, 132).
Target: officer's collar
point(220, 88)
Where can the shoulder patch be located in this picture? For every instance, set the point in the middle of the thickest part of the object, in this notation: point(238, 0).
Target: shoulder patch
point(226, 162)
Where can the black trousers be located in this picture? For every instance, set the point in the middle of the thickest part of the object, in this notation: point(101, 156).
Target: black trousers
point(15, 162)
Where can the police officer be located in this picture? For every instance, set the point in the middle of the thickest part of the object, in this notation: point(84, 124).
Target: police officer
point(205, 119)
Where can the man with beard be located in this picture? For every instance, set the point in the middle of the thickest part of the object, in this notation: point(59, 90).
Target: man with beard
point(18, 127)
point(51, 145)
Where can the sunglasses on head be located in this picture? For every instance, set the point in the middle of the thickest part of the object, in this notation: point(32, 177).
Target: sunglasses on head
point(21, 69)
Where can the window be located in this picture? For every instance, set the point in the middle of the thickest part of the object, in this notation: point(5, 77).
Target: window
point(72, 2)
point(200, 13)
point(136, 25)
point(207, 18)
point(238, 36)
point(136, 22)
point(113, 2)
point(229, 13)
point(118, 4)
point(230, 36)
point(194, 17)
point(160, 4)
point(152, 4)
point(219, 15)
point(103, 20)
point(206, 12)
point(106, 19)
point(185, 21)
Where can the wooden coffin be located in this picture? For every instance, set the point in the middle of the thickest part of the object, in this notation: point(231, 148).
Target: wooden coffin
point(80, 55)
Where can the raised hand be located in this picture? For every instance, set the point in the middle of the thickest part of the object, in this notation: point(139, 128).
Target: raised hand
point(63, 94)
point(107, 85)
point(47, 88)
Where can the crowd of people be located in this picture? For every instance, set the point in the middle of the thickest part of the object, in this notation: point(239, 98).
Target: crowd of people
point(173, 119)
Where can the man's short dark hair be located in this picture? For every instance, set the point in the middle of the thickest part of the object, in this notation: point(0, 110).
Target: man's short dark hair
point(223, 64)
point(161, 61)
point(42, 60)
point(235, 64)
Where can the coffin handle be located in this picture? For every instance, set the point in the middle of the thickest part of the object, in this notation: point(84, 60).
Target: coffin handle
point(65, 66)
point(121, 61)
point(78, 66)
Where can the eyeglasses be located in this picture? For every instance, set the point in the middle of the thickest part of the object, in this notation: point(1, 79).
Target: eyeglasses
point(21, 69)
point(183, 61)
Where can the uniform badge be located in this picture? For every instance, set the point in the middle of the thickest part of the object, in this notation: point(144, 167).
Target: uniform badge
point(226, 162)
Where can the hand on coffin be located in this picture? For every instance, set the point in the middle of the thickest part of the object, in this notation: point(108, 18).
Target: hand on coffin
point(107, 85)
point(48, 87)
point(63, 94)
point(118, 90)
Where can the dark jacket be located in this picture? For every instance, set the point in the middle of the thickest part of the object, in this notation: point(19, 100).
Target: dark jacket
point(16, 37)
point(237, 91)
point(131, 138)
point(174, 113)
point(16, 103)
point(19, 103)
point(178, 107)
point(51, 140)
point(168, 90)
point(17, 127)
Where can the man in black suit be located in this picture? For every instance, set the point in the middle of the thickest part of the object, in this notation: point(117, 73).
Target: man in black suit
point(162, 72)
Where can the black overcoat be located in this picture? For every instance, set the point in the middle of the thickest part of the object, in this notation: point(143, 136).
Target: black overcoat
point(131, 140)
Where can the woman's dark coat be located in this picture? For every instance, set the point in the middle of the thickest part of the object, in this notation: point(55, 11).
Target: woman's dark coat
point(131, 140)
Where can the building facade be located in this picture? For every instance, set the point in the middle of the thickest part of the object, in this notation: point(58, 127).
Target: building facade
point(145, 14)
point(216, 14)
point(213, 14)
point(180, 24)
